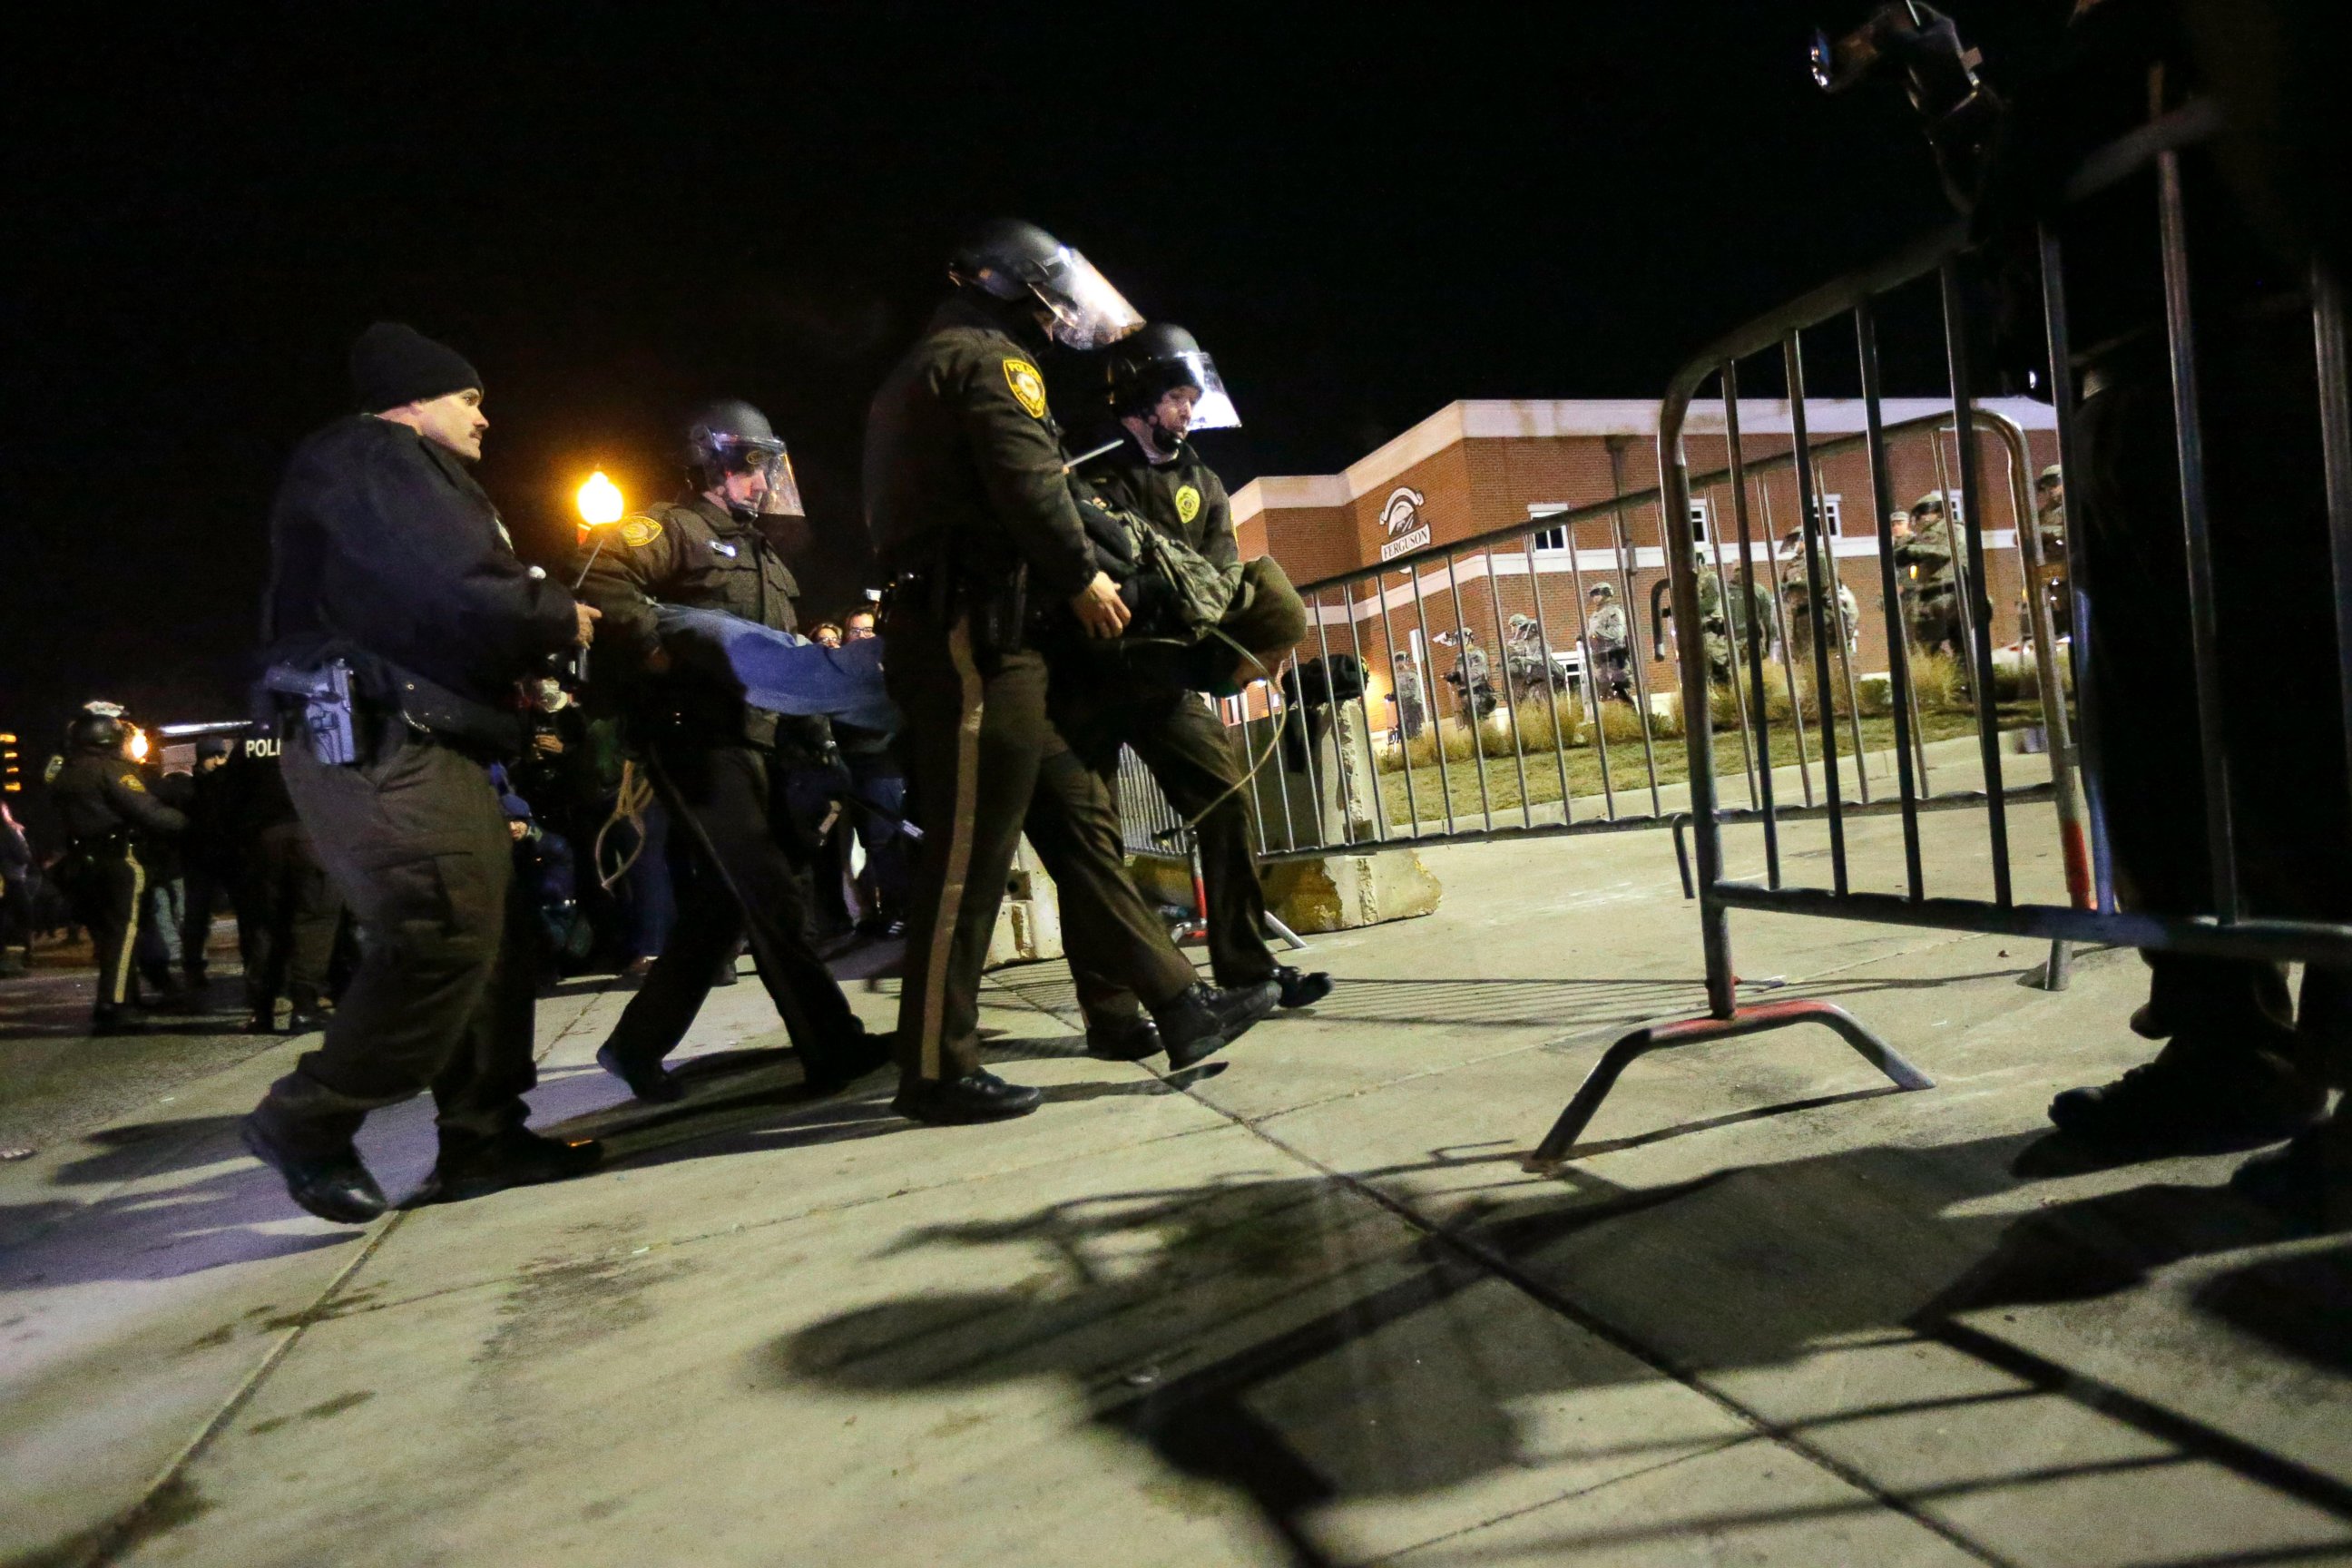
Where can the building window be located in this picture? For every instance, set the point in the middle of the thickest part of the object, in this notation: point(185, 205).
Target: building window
point(1832, 510)
point(1554, 538)
point(1702, 519)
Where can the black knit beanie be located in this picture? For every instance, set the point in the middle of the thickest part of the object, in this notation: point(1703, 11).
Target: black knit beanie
point(393, 364)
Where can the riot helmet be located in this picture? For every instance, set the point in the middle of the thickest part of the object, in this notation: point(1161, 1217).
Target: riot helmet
point(730, 436)
point(1156, 361)
point(99, 729)
point(1020, 263)
point(1932, 501)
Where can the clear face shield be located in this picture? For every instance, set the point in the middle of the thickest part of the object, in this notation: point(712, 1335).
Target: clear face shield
point(781, 498)
point(1087, 311)
point(1214, 410)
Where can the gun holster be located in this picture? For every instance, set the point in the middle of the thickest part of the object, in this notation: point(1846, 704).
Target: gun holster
point(321, 698)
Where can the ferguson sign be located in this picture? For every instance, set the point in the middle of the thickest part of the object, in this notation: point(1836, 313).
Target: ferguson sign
point(1401, 518)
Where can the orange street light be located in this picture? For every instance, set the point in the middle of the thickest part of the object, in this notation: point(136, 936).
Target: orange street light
point(600, 501)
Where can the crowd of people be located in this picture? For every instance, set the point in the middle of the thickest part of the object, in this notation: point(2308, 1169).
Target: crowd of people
point(437, 769)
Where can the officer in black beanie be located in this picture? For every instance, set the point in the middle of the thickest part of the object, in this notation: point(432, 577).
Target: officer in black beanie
point(397, 622)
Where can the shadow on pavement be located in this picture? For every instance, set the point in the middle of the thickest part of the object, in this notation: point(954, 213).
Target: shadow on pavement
point(1278, 1339)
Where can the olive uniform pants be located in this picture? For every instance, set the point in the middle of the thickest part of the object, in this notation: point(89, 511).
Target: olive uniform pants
point(417, 845)
point(1192, 758)
point(983, 761)
point(730, 802)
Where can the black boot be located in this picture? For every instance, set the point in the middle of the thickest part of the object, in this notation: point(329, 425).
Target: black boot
point(1128, 1040)
point(1202, 1022)
point(843, 1065)
point(334, 1185)
point(2309, 1182)
point(477, 1167)
point(649, 1080)
point(1301, 987)
point(979, 1096)
point(2196, 1097)
point(105, 1019)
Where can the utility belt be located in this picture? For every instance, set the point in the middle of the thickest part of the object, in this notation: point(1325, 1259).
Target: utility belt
point(938, 591)
point(104, 845)
point(339, 719)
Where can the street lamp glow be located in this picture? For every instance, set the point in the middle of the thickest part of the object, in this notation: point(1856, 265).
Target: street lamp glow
point(139, 745)
point(600, 501)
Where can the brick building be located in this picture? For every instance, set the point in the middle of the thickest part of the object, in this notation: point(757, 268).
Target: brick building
point(1485, 468)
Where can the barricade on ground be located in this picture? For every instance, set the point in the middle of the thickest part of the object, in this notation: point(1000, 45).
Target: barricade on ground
point(1948, 264)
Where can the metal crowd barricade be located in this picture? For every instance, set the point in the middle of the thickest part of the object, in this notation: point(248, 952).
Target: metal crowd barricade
point(2090, 915)
point(1531, 754)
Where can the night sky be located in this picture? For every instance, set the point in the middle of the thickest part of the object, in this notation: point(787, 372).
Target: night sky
point(614, 211)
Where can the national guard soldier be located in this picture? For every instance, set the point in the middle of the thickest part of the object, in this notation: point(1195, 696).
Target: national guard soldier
point(1721, 636)
point(398, 622)
point(2049, 535)
point(105, 806)
point(1927, 574)
point(969, 499)
point(1605, 637)
point(1161, 389)
point(1797, 599)
point(1407, 697)
point(720, 764)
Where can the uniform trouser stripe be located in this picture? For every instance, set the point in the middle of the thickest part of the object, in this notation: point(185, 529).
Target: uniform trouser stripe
point(949, 918)
point(119, 991)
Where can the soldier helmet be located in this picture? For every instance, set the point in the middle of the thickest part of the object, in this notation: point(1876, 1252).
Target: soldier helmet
point(2051, 475)
point(1932, 501)
point(1522, 623)
point(1018, 262)
point(730, 436)
point(99, 728)
point(1602, 591)
point(1155, 361)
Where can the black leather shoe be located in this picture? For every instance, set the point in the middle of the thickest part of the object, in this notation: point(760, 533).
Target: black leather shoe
point(976, 1097)
point(515, 1158)
point(117, 1021)
point(1301, 987)
point(334, 1186)
point(1203, 1022)
point(1127, 1039)
point(649, 1081)
point(844, 1064)
point(261, 1024)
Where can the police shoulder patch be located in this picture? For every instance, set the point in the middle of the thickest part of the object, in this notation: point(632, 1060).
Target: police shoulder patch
point(1188, 503)
point(1028, 386)
point(132, 780)
point(640, 532)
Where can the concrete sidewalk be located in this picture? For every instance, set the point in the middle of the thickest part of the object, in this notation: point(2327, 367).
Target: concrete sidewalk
point(1305, 1308)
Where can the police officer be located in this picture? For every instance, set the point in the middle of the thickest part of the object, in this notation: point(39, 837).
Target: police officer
point(288, 911)
point(1928, 574)
point(105, 807)
point(1606, 635)
point(1161, 389)
point(721, 766)
point(391, 578)
point(970, 503)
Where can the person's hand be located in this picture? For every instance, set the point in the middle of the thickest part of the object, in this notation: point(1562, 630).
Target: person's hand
point(551, 745)
point(585, 632)
point(1099, 608)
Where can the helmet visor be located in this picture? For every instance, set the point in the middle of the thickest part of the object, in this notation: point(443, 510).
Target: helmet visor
point(769, 460)
point(1214, 410)
point(1087, 311)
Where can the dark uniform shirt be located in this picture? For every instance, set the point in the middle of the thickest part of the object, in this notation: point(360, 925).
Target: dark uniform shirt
point(693, 553)
point(1183, 497)
point(97, 796)
point(963, 462)
point(385, 552)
